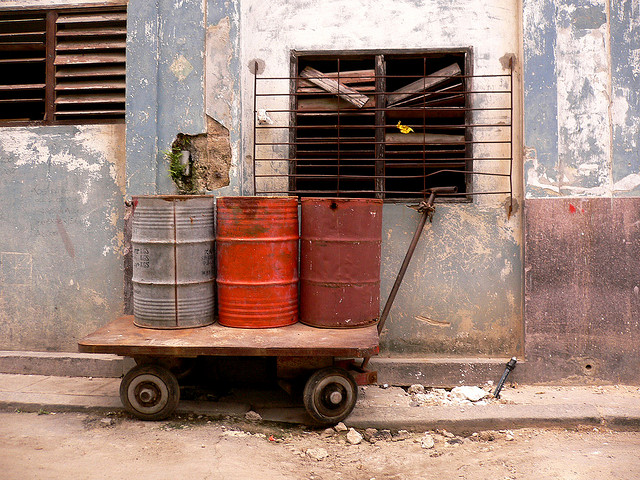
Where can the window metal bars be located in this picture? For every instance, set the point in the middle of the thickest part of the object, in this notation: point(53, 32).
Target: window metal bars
point(275, 153)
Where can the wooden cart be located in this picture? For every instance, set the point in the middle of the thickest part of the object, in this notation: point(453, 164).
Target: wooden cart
point(150, 390)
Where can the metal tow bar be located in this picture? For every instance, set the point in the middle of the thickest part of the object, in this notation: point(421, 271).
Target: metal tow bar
point(426, 208)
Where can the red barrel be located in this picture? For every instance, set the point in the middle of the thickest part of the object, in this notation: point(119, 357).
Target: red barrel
point(257, 259)
point(340, 244)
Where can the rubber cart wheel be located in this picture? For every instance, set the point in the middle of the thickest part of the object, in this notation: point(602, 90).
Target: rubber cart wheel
point(330, 395)
point(150, 392)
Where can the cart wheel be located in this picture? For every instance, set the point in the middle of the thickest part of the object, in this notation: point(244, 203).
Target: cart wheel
point(330, 395)
point(150, 392)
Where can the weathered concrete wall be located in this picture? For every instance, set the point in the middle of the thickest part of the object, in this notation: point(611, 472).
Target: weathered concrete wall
point(581, 122)
point(466, 273)
point(461, 293)
point(582, 289)
point(582, 106)
point(62, 191)
point(182, 63)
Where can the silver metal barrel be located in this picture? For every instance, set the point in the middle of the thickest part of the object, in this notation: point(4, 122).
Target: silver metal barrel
point(173, 241)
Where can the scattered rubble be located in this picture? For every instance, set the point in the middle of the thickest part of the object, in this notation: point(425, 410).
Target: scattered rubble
point(328, 432)
point(416, 388)
point(370, 435)
point(252, 416)
point(341, 427)
point(427, 442)
point(235, 433)
point(317, 454)
point(462, 395)
point(353, 437)
point(473, 394)
point(401, 435)
point(487, 436)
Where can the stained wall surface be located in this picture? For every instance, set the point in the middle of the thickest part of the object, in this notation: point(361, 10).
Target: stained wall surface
point(582, 165)
point(61, 249)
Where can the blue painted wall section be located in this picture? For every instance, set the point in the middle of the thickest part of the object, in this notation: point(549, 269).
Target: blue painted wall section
point(540, 97)
point(61, 248)
point(165, 86)
point(625, 73)
point(223, 96)
point(582, 106)
point(142, 97)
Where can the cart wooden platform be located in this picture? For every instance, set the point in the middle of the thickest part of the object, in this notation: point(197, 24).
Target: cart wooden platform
point(151, 391)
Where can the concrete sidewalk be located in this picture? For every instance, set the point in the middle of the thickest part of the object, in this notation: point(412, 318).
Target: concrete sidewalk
point(616, 407)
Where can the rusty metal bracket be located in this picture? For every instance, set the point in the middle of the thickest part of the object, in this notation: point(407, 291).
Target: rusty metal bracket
point(361, 375)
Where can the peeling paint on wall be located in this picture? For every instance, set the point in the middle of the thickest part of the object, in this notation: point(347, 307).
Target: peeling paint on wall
point(583, 69)
point(210, 157)
point(592, 94)
point(62, 211)
point(625, 61)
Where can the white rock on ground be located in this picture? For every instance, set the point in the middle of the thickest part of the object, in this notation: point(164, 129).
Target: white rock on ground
point(416, 388)
point(341, 427)
point(317, 454)
point(427, 441)
point(353, 437)
point(473, 394)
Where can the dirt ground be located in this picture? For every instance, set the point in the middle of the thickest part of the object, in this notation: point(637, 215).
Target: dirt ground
point(91, 446)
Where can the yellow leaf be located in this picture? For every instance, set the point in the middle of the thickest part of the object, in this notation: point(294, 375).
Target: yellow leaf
point(404, 128)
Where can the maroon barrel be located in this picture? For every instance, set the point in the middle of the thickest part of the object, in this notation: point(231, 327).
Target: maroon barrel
point(340, 243)
point(257, 260)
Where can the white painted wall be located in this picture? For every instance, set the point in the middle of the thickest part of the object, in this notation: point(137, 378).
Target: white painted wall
point(270, 30)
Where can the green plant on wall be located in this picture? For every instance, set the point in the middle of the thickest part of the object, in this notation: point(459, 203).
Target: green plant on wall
point(179, 172)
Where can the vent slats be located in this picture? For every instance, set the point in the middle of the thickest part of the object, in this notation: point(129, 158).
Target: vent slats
point(93, 113)
point(89, 98)
point(88, 19)
point(91, 71)
point(84, 58)
point(22, 61)
point(91, 44)
point(99, 84)
point(71, 31)
point(63, 65)
point(90, 64)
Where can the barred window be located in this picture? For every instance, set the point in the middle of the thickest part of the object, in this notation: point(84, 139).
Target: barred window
point(386, 125)
point(63, 66)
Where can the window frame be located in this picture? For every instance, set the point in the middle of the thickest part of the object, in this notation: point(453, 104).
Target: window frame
point(51, 13)
point(380, 63)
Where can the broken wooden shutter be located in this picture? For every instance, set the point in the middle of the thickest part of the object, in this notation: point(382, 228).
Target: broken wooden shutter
point(388, 125)
point(335, 133)
point(22, 61)
point(425, 124)
point(90, 65)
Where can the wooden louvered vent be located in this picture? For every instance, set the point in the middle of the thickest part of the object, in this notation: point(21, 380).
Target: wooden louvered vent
point(22, 62)
point(90, 65)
